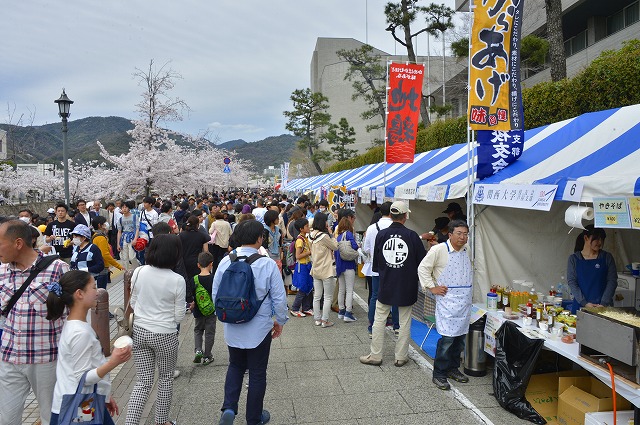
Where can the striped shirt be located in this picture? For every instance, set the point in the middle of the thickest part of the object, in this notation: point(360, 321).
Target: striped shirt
point(27, 336)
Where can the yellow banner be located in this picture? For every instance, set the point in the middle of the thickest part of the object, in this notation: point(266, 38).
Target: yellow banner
point(495, 101)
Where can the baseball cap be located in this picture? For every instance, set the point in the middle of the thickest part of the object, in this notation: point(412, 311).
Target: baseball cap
point(453, 206)
point(399, 207)
point(82, 230)
point(51, 211)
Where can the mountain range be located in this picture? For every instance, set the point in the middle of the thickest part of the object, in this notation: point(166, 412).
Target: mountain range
point(43, 143)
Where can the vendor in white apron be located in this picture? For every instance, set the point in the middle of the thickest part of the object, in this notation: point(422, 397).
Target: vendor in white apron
point(446, 272)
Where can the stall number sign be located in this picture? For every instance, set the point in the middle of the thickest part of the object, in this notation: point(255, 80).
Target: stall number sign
point(611, 212)
point(531, 197)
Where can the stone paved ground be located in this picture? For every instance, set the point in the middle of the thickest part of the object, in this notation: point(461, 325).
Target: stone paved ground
point(314, 377)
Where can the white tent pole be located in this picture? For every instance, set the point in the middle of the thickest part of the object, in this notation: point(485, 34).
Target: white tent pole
point(470, 156)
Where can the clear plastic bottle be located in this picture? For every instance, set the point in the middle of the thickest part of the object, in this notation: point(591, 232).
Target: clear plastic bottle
point(561, 288)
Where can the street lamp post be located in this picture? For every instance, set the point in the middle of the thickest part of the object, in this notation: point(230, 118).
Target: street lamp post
point(64, 104)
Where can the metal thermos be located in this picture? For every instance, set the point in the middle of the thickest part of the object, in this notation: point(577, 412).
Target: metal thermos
point(475, 359)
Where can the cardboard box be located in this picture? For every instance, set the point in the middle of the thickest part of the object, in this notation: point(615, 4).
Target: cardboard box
point(579, 395)
point(542, 393)
point(624, 417)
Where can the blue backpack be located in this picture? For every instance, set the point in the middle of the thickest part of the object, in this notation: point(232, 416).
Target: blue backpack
point(236, 299)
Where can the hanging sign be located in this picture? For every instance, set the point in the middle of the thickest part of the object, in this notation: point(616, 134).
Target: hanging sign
point(435, 193)
point(365, 195)
point(380, 194)
point(530, 197)
point(634, 210)
point(405, 191)
point(611, 212)
point(403, 111)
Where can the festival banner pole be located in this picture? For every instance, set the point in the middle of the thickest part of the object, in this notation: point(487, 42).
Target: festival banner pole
point(470, 183)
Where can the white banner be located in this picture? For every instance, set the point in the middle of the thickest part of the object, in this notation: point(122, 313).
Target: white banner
point(435, 193)
point(285, 175)
point(405, 191)
point(380, 194)
point(365, 195)
point(530, 197)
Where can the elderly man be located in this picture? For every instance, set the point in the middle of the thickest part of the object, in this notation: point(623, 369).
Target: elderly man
point(446, 272)
point(29, 346)
point(397, 253)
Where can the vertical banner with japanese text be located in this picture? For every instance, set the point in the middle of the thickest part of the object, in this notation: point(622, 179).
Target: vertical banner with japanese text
point(497, 149)
point(495, 97)
point(285, 175)
point(403, 111)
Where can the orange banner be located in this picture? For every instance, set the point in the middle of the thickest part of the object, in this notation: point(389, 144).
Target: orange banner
point(403, 111)
point(495, 97)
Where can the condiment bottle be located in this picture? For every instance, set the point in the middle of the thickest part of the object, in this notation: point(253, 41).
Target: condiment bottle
point(506, 297)
point(550, 318)
point(552, 291)
point(530, 308)
point(499, 292)
point(539, 312)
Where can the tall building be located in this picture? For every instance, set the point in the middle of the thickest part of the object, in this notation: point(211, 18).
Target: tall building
point(328, 77)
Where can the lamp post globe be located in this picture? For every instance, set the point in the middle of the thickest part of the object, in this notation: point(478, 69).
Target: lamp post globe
point(64, 105)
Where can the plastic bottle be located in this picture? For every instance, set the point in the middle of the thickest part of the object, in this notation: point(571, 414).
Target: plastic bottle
point(552, 291)
point(530, 308)
point(492, 301)
point(534, 295)
point(561, 288)
point(499, 292)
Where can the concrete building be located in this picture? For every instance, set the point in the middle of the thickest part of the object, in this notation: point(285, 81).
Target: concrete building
point(589, 28)
point(327, 77)
point(40, 169)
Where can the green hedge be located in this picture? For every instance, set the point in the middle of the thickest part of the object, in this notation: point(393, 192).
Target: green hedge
point(610, 81)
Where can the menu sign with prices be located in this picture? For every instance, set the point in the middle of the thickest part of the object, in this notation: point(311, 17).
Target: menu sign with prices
point(634, 211)
point(612, 212)
point(435, 193)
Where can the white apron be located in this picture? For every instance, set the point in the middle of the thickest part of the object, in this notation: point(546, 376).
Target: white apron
point(453, 310)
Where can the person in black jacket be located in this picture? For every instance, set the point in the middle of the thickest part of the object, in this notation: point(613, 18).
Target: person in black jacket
point(397, 253)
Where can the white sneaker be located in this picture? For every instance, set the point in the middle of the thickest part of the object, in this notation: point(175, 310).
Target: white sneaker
point(176, 373)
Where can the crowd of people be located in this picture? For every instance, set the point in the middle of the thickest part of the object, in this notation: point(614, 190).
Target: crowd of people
point(175, 249)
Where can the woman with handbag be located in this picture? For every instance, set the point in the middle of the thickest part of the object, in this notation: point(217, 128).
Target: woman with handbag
point(346, 256)
point(323, 268)
point(158, 301)
point(80, 357)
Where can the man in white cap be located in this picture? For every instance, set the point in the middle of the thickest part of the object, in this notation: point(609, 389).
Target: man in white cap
point(397, 253)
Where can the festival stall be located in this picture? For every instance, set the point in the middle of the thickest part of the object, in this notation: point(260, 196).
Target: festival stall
point(591, 156)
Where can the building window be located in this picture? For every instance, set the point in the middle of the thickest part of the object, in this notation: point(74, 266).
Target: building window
point(632, 14)
point(624, 18)
point(575, 44)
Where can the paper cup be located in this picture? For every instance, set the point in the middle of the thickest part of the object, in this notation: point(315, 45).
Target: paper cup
point(123, 342)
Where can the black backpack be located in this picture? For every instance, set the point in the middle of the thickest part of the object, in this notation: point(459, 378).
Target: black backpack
point(236, 300)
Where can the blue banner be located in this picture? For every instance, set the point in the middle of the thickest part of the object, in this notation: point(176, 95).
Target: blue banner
point(497, 149)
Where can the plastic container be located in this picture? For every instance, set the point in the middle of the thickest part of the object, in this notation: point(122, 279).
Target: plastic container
point(492, 301)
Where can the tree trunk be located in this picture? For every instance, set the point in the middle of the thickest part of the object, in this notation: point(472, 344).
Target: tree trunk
point(556, 41)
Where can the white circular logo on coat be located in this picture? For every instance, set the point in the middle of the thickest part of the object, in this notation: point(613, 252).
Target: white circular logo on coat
point(395, 251)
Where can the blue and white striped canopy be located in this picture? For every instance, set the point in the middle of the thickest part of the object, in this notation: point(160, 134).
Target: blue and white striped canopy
point(601, 149)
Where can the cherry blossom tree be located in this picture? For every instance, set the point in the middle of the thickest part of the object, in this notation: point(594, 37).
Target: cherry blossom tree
point(155, 161)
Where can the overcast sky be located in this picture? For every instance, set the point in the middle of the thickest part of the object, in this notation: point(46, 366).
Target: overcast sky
point(240, 60)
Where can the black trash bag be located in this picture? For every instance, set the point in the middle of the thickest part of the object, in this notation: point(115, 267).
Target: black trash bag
point(516, 357)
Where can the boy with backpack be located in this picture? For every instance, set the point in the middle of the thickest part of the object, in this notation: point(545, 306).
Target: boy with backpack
point(301, 273)
point(246, 279)
point(203, 309)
